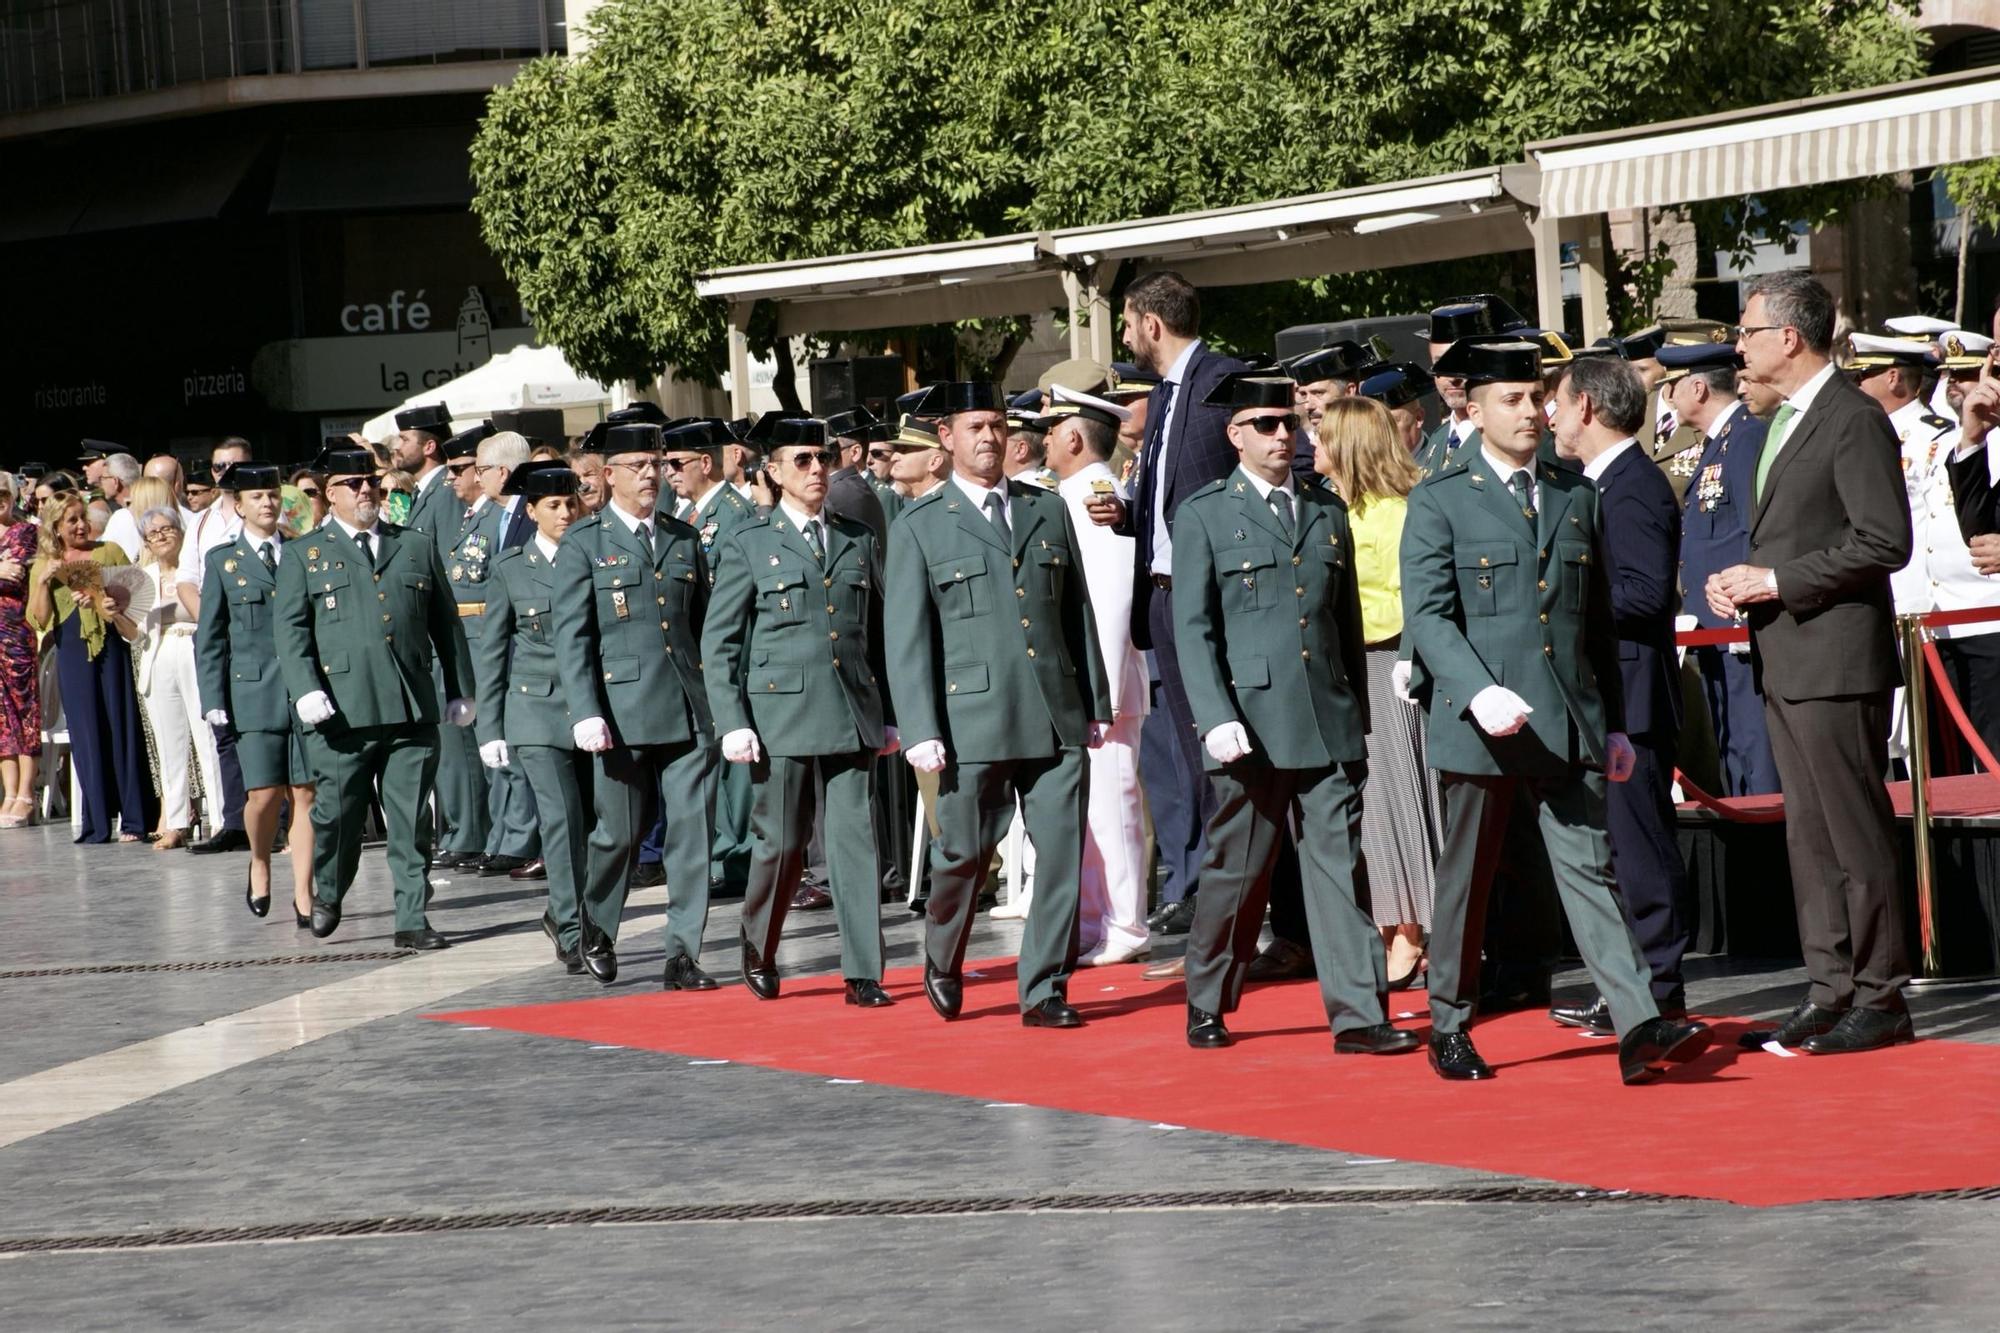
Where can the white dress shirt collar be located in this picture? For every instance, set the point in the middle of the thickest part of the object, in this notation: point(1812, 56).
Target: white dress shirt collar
point(630, 521)
point(1803, 397)
point(374, 532)
point(1601, 464)
point(978, 493)
point(1177, 373)
point(1264, 488)
point(799, 519)
point(1722, 418)
point(546, 547)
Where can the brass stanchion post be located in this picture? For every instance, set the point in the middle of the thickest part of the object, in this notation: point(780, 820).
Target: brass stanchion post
point(1916, 720)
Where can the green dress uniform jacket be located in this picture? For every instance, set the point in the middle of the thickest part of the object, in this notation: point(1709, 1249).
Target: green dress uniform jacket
point(1267, 624)
point(720, 513)
point(891, 498)
point(368, 635)
point(1491, 597)
point(992, 650)
point(236, 658)
point(723, 511)
point(792, 649)
point(628, 650)
point(986, 643)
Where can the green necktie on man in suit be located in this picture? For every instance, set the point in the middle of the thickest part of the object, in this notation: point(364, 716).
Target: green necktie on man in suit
point(1773, 441)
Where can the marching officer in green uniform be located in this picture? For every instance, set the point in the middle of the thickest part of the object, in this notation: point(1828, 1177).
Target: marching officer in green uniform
point(523, 723)
point(631, 589)
point(465, 552)
point(792, 653)
point(420, 451)
point(711, 506)
point(1268, 616)
point(1461, 317)
point(881, 457)
point(242, 690)
point(1515, 657)
point(359, 672)
point(999, 685)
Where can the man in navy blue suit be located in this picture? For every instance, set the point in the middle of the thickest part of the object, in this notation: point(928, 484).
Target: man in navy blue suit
point(1186, 446)
point(1715, 534)
point(514, 838)
point(1600, 406)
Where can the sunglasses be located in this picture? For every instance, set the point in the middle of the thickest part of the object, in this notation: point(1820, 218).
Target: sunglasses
point(676, 464)
point(358, 484)
point(807, 457)
point(457, 469)
point(882, 455)
point(312, 491)
point(1271, 425)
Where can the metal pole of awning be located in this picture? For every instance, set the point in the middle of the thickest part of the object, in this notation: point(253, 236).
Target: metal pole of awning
point(739, 357)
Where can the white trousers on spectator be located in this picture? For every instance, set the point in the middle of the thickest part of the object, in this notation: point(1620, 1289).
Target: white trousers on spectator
point(173, 707)
point(1112, 911)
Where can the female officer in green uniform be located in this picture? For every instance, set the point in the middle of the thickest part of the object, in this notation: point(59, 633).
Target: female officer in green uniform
point(236, 663)
point(523, 721)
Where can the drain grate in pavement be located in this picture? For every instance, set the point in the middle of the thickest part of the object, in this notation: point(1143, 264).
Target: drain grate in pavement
point(809, 1210)
point(206, 964)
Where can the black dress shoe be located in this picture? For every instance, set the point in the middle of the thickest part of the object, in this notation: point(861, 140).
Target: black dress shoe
point(571, 960)
point(648, 875)
point(1376, 1039)
point(259, 907)
point(1592, 1017)
point(447, 860)
point(1283, 961)
point(1172, 918)
point(1863, 1030)
point(867, 994)
point(501, 865)
point(1054, 1012)
point(1453, 1056)
point(761, 977)
point(945, 992)
point(1205, 1030)
point(225, 840)
point(535, 869)
point(325, 920)
point(600, 959)
point(682, 974)
point(423, 940)
point(810, 898)
point(1645, 1052)
point(1808, 1020)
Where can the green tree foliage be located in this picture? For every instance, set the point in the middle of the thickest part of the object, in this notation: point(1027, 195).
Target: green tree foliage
point(698, 134)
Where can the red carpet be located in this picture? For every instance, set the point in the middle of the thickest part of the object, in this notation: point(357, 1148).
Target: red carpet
point(1960, 797)
point(1746, 1127)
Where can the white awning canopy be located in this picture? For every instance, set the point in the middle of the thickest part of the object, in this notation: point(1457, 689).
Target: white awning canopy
point(1410, 222)
point(1874, 132)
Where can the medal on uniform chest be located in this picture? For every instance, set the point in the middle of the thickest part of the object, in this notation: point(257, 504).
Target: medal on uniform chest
point(618, 606)
point(774, 560)
point(331, 604)
point(784, 603)
point(707, 535)
point(1240, 535)
point(1708, 492)
point(1684, 463)
point(312, 552)
point(229, 566)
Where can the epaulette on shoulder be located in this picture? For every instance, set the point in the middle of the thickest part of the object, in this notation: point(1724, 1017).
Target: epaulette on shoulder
point(1936, 422)
point(1210, 489)
point(928, 497)
point(511, 553)
point(730, 496)
point(1455, 468)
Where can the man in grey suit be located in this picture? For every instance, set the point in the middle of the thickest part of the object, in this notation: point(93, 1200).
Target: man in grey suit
point(1830, 525)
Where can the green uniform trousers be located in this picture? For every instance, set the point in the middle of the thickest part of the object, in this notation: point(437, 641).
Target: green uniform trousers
point(781, 824)
point(462, 821)
point(735, 840)
point(1571, 813)
point(624, 779)
point(349, 764)
point(1253, 804)
point(975, 804)
point(562, 781)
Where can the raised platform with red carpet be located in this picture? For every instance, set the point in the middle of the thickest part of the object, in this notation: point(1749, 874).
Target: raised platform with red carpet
point(1744, 1127)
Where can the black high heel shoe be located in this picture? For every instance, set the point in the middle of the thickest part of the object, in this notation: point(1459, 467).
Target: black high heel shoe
point(259, 907)
point(304, 918)
point(1409, 979)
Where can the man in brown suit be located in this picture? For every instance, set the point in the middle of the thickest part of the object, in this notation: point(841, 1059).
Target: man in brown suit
point(1831, 522)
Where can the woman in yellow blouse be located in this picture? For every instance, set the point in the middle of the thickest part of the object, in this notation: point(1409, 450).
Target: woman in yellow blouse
point(100, 705)
point(1361, 454)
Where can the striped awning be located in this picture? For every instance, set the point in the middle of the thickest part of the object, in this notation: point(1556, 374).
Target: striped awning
point(1875, 132)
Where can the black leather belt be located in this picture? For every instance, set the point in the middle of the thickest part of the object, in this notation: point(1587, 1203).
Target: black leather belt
point(1164, 582)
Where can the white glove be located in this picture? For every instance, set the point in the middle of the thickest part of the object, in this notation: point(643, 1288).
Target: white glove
point(1619, 756)
point(1228, 742)
point(216, 717)
point(493, 754)
point(1499, 711)
point(1096, 736)
point(741, 747)
point(926, 757)
point(458, 712)
point(1399, 682)
point(315, 708)
point(592, 734)
point(892, 741)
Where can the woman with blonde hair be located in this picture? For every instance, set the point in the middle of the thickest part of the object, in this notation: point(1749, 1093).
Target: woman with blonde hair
point(167, 684)
point(69, 602)
point(1360, 452)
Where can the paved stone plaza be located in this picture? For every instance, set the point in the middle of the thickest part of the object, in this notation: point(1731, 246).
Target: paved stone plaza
point(544, 1183)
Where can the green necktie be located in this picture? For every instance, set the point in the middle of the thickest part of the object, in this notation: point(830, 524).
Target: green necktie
point(1772, 442)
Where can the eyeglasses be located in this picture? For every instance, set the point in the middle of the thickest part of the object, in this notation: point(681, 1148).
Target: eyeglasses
point(882, 455)
point(808, 457)
point(1742, 331)
point(358, 484)
point(1271, 425)
point(650, 465)
point(160, 533)
point(488, 467)
point(312, 491)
